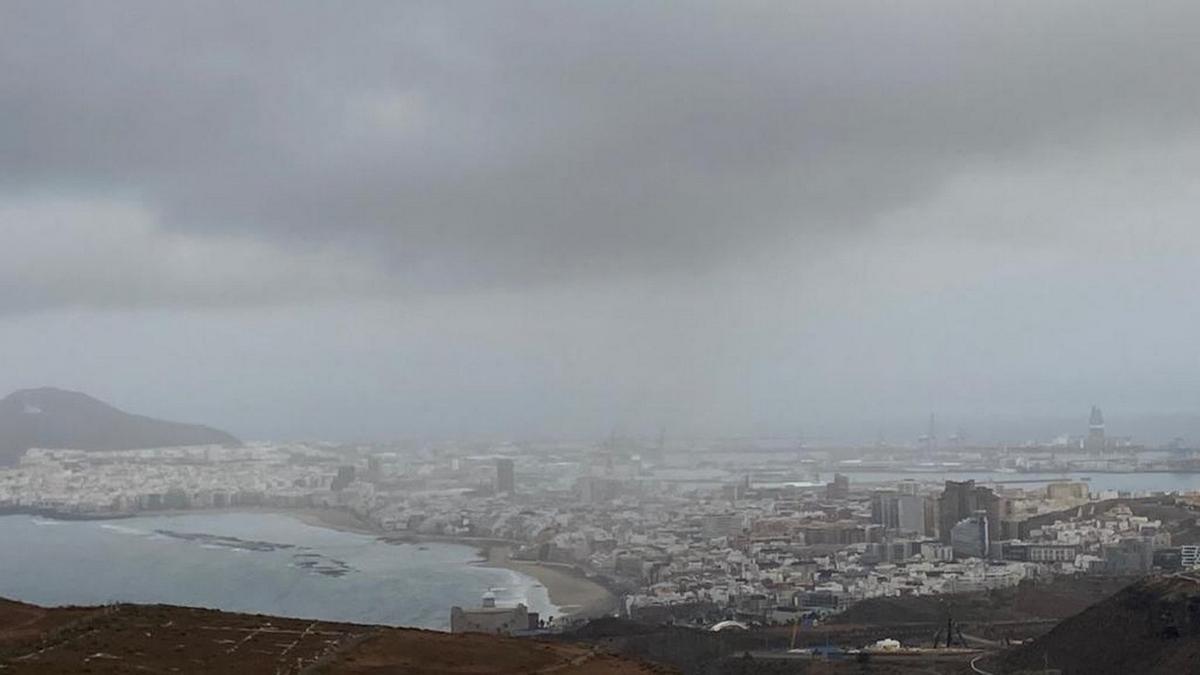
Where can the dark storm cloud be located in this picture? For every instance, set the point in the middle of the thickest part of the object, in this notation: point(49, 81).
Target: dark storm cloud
point(465, 145)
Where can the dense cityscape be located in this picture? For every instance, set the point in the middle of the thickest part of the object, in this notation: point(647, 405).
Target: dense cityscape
point(599, 338)
point(759, 532)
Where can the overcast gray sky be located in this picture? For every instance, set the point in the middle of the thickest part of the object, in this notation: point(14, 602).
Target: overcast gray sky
point(385, 219)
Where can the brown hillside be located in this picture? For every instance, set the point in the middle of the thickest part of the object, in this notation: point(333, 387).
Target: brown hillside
point(1150, 627)
point(1057, 598)
point(163, 639)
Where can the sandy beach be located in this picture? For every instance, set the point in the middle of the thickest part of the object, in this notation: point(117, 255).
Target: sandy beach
point(334, 519)
point(575, 595)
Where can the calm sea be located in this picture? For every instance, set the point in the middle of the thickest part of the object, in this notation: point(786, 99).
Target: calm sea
point(249, 562)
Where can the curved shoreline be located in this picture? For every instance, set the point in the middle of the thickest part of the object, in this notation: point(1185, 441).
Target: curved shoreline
point(575, 595)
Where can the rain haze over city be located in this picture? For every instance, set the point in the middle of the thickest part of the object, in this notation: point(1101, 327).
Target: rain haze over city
point(859, 333)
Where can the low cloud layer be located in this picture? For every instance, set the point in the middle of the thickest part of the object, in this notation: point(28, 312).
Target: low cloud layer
point(743, 217)
point(532, 143)
point(112, 254)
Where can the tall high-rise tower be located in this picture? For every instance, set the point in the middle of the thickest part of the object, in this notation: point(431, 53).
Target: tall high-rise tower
point(964, 499)
point(1095, 439)
point(505, 476)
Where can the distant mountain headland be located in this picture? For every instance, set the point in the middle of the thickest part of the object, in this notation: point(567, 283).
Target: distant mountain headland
point(57, 419)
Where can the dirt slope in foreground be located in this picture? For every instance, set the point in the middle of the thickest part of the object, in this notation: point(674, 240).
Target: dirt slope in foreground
point(163, 639)
point(1150, 627)
point(21, 623)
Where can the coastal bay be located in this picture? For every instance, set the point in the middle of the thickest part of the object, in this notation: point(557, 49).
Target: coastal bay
point(574, 594)
point(254, 562)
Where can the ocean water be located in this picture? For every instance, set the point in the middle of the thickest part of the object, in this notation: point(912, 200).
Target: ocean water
point(250, 562)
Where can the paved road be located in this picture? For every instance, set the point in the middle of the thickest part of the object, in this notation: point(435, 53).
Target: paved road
point(994, 644)
point(975, 666)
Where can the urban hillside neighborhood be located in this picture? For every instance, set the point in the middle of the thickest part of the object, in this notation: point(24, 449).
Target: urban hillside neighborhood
point(672, 534)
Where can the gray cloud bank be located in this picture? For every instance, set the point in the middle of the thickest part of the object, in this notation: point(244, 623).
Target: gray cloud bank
point(448, 146)
point(546, 217)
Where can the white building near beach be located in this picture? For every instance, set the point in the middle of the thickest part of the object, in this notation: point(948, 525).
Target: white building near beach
point(488, 618)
